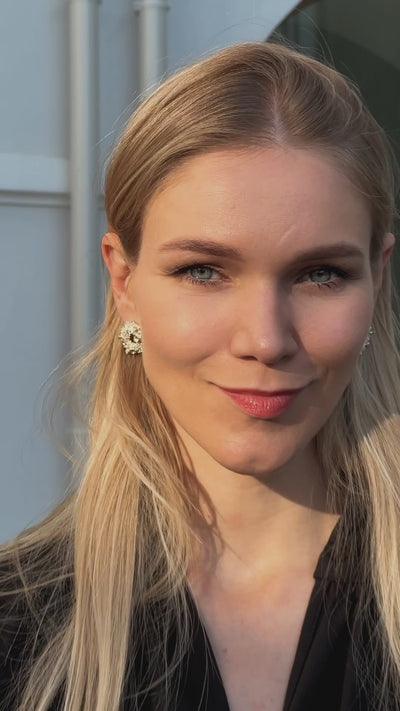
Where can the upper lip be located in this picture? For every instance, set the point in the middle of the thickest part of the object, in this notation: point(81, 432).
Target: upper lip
point(265, 393)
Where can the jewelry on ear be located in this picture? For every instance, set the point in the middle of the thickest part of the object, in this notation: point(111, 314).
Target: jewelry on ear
point(367, 340)
point(131, 338)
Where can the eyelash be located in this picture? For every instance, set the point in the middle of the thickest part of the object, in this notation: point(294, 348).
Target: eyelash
point(184, 274)
point(339, 273)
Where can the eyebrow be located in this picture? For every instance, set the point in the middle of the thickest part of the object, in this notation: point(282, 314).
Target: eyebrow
point(205, 246)
point(216, 249)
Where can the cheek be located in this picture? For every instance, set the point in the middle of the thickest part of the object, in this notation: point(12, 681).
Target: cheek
point(178, 333)
point(334, 337)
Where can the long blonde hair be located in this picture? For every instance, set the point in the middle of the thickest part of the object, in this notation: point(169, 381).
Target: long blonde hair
point(105, 575)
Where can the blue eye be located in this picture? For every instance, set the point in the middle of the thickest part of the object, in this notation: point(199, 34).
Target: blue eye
point(201, 273)
point(329, 277)
point(321, 276)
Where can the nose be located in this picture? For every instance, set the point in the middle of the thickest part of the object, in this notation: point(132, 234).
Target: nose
point(262, 326)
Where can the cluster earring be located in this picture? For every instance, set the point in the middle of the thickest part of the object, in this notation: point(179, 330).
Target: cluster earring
point(367, 340)
point(131, 338)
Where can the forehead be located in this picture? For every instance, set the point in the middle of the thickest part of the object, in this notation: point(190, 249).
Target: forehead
point(274, 195)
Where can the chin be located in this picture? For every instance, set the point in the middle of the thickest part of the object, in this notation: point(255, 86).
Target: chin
point(252, 463)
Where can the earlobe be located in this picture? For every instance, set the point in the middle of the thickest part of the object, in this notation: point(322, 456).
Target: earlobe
point(120, 270)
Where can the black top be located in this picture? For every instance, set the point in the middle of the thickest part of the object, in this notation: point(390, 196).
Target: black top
point(323, 674)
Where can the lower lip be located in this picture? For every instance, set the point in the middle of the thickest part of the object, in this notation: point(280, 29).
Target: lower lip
point(265, 407)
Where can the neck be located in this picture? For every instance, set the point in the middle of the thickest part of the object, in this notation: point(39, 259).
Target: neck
point(259, 528)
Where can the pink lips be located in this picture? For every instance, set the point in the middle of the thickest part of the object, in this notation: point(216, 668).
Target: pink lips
point(263, 405)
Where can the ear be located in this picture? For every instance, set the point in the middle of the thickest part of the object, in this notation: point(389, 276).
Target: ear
point(383, 259)
point(120, 269)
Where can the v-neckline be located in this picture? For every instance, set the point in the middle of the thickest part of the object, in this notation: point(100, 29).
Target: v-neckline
point(215, 691)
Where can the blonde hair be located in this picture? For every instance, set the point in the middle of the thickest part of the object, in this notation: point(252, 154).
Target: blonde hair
point(105, 575)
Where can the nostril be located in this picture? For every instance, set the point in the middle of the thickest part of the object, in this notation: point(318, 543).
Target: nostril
point(275, 346)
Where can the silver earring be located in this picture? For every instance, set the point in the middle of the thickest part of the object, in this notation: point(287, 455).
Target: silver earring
point(367, 340)
point(131, 338)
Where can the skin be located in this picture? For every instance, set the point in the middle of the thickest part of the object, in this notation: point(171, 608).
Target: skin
point(277, 316)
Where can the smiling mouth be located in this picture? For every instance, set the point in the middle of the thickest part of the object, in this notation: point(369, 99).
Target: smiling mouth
point(261, 404)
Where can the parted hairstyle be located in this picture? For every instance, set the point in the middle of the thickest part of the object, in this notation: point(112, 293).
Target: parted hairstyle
point(106, 574)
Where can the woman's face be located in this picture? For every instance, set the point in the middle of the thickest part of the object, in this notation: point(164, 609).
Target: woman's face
point(254, 291)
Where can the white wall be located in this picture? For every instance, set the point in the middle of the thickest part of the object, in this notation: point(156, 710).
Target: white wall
point(34, 228)
point(199, 27)
point(34, 336)
point(34, 201)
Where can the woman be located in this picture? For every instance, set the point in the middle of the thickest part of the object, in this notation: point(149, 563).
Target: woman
point(234, 542)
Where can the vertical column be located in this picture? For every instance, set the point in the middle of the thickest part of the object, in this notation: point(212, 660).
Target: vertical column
point(84, 121)
point(152, 20)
